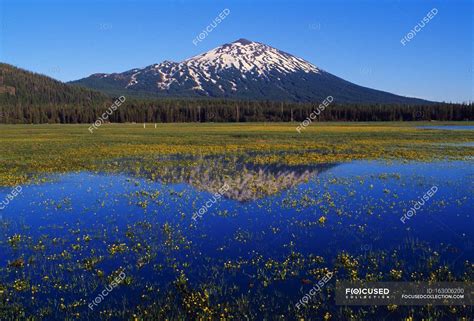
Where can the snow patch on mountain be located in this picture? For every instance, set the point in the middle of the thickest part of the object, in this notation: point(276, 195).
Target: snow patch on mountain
point(242, 59)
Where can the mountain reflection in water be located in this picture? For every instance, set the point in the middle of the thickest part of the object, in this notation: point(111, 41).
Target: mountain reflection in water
point(246, 181)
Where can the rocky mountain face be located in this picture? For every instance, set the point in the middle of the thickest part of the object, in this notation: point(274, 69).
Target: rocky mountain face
point(242, 69)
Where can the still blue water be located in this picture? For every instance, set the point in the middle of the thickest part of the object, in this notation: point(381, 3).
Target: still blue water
point(353, 208)
point(449, 127)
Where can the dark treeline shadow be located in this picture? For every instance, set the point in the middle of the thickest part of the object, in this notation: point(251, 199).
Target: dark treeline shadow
point(189, 110)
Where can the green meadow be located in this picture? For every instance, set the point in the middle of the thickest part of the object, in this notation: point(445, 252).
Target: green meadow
point(29, 151)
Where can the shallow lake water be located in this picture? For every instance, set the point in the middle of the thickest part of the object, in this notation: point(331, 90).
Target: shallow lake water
point(62, 240)
point(449, 127)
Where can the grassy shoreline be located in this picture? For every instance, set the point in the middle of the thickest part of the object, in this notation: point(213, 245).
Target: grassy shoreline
point(29, 151)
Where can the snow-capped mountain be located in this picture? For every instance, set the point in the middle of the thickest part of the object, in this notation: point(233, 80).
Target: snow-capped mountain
point(242, 69)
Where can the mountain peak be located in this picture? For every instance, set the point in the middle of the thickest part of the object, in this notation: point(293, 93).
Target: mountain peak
point(246, 57)
point(243, 41)
point(241, 69)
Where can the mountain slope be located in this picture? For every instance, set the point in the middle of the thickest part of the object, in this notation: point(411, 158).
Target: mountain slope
point(242, 70)
point(21, 87)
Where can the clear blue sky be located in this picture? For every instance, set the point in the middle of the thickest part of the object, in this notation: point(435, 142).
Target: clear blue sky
point(356, 40)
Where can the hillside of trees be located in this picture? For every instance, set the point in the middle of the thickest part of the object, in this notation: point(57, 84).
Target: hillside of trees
point(31, 98)
point(32, 89)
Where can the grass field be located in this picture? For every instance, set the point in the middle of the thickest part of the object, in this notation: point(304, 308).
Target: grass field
point(27, 151)
point(330, 202)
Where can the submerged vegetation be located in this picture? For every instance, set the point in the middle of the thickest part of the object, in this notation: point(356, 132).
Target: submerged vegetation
point(299, 206)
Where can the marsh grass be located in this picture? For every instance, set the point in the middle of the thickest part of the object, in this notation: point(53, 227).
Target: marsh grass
point(28, 152)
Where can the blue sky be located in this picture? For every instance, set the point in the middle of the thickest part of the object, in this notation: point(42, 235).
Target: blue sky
point(356, 40)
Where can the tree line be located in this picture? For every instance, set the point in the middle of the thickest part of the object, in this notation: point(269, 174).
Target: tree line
point(216, 110)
